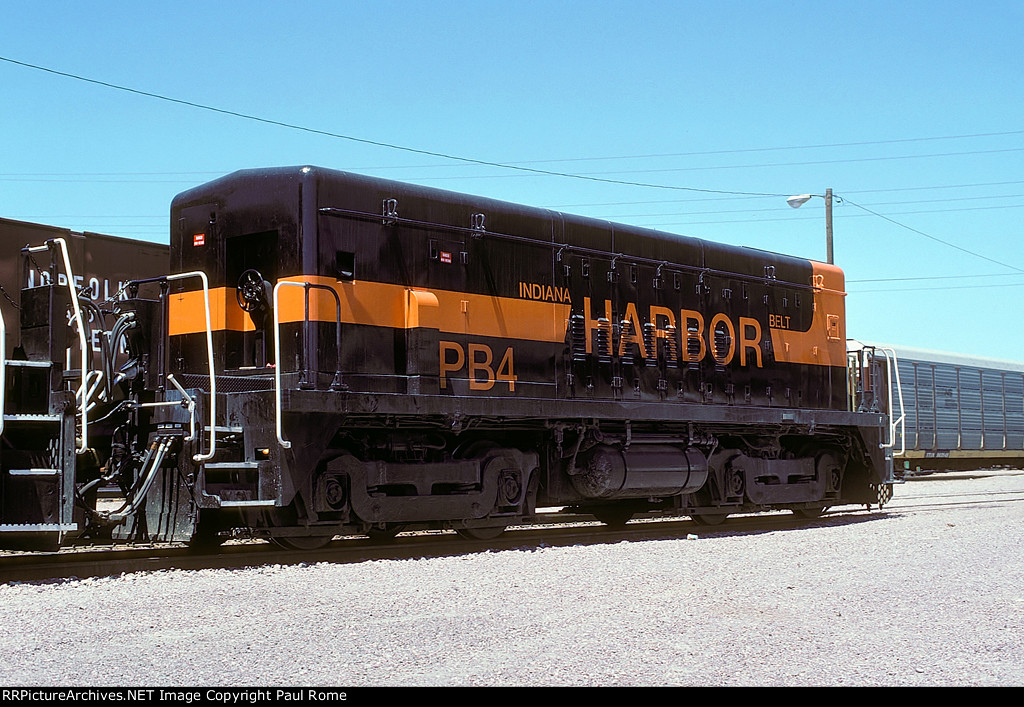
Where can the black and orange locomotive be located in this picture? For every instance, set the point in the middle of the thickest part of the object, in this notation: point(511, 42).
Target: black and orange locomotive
point(337, 354)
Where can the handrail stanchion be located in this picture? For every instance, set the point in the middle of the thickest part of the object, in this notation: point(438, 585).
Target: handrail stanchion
point(209, 353)
point(285, 444)
point(336, 384)
point(893, 365)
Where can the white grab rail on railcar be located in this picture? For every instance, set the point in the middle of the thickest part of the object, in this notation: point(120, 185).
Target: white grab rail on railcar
point(80, 323)
point(894, 422)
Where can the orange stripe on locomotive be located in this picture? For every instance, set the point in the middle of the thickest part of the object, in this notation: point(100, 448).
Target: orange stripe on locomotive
point(399, 307)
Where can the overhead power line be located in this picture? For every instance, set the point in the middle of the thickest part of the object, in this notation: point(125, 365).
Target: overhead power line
point(746, 150)
point(661, 224)
point(887, 203)
point(944, 288)
point(762, 165)
point(933, 238)
point(787, 148)
point(365, 141)
point(519, 167)
point(726, 198)
point(934, 277)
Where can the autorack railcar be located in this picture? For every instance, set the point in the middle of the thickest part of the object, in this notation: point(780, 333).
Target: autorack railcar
point(334, 353)
point(954, 412)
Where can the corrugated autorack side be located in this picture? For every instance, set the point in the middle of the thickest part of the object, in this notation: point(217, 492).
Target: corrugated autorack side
point(955, 412)
point(388, 356)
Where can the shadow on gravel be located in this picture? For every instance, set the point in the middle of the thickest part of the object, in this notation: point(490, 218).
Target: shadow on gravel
point(63, 569)
point(756, 525)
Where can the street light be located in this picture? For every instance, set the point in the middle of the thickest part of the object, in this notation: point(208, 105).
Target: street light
point(797, 201)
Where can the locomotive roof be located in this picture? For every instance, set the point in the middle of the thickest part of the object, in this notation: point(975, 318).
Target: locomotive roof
point(267, 179)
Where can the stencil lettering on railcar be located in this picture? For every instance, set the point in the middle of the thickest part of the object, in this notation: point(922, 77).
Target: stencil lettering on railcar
point(544, 293)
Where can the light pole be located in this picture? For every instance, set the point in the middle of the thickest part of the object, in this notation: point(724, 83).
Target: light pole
point(797, 201)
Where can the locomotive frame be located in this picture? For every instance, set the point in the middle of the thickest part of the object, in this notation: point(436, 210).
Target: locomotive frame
point(365, 356)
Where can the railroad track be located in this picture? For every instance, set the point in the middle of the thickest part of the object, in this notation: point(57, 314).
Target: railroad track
point(93, 561)
point(937, 501)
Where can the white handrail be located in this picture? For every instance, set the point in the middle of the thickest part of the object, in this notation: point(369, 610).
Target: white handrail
point(209, 353)
point(336, 385)
point(81, 327)
point(890, 366)
point(285, 444)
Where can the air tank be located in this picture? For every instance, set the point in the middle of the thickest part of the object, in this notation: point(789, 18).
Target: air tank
point(638, 471)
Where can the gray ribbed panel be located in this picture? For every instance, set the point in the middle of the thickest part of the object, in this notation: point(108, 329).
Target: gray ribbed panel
point(953, 405)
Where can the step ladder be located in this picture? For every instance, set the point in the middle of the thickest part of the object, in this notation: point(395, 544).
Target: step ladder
point(37, 459)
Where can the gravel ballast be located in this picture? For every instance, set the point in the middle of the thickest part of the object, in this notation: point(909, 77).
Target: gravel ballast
point(920, 594)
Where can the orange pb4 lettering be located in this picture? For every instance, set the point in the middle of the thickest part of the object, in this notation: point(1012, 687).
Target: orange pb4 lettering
point(478, 362)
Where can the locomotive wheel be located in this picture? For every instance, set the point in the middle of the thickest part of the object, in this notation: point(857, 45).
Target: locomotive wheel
point(288, 518)
point(483, 450)
point(612, 516)
point(810, 513)
point(709, 518)
point(388, 532)
point(302, 542)
point(488, 533)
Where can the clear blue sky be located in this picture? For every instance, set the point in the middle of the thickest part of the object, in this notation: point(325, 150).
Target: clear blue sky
point(912, 110)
